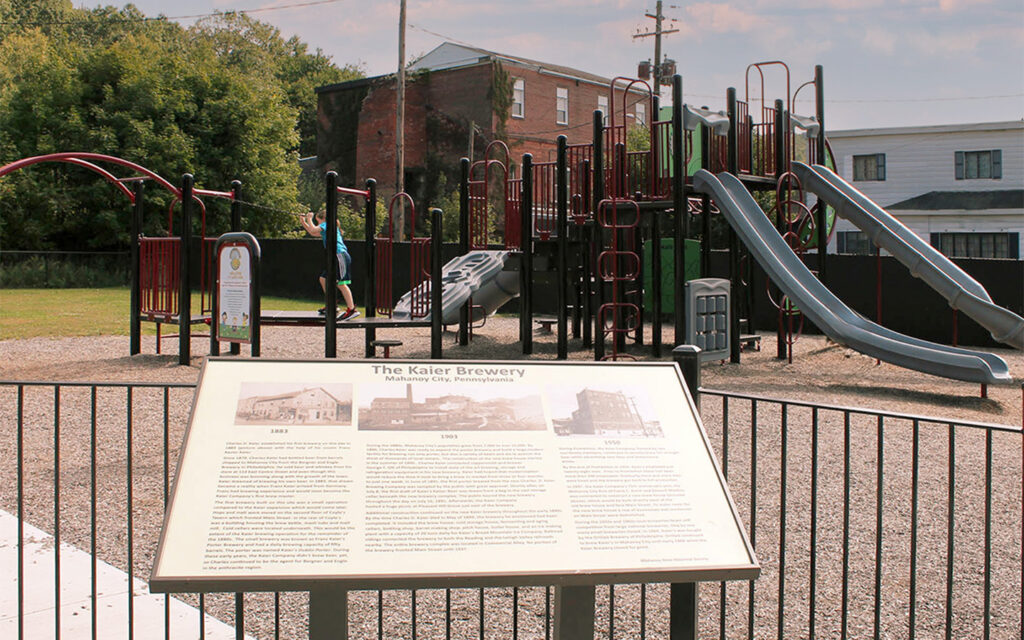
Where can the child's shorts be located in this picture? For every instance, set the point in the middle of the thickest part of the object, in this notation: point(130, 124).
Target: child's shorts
point(344, 268)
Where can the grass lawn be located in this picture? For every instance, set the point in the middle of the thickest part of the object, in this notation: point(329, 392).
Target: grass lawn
point(32, 313)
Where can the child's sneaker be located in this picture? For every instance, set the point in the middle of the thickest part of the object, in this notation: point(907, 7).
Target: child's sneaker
point(348, 314)
point(322, 311)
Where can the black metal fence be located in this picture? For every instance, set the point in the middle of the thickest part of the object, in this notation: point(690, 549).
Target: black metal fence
point(867, 524)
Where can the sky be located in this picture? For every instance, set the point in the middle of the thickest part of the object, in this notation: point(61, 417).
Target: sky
point(886, 63)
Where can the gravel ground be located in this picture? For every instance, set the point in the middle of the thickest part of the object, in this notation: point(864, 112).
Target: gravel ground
point(821, 372)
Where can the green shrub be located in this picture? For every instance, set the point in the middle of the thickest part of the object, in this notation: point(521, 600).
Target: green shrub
point(64, 271)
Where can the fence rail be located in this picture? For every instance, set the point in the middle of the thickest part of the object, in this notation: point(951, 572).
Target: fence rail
point(867, 524)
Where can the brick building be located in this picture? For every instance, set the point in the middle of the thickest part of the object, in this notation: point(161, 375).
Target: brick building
point(450, 92)
point(308, 406)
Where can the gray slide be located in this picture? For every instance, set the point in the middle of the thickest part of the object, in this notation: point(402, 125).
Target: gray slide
point(924, 261)
point(479, 275)
point(827, 311)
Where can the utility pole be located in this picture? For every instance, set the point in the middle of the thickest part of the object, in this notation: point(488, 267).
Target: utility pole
point(657, 33)
point(400, 121)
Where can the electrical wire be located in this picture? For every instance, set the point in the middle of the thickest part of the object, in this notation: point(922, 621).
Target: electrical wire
point(722, 96)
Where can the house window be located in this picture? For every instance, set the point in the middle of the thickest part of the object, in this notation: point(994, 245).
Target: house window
point(977, 245)
point(869, 167)
point(602, 105)
point(854, 242)
point(641, 114)
point(561, 106)
point(978, 165)
point(519, 98)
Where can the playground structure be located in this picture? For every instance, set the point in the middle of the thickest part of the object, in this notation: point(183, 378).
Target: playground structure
point(161, 269)
point(593, 210)
point(163, 276)
point(611, 201)
point(581, 224)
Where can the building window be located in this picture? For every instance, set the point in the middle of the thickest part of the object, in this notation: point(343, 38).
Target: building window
point(602, 105)
point(519, 98)
point(869, 167)
point(977, 245)
point(854, 242)
point(978, 165)
point(561, 106)
point(641, 114)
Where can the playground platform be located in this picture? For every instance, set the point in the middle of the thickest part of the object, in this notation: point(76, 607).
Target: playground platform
point(314, 319)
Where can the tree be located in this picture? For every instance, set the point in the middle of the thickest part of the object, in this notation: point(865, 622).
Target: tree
point(254, 47)
point(208, 100)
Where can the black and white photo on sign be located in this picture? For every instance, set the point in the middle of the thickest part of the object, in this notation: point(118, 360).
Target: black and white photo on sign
point(298, 403)
point(448, 407)
point(602, 410)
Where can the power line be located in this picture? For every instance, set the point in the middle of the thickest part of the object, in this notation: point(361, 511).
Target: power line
point(119, 18)
point(443, 36)
point(807, 100)
point(296, 5)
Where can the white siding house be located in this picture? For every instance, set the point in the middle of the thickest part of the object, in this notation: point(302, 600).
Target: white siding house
point(959, 187)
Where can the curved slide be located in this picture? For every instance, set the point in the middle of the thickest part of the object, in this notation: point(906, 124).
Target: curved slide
point(478, 274)
point(827, 311)
point(924, 261)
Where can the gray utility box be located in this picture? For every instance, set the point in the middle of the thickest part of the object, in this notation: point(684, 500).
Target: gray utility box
point(707, 322)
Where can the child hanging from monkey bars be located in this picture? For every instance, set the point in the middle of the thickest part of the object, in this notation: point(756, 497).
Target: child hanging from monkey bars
point(319, 230)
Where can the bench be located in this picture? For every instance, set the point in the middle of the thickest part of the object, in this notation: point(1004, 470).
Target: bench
point(545, 323)
point(750, 341)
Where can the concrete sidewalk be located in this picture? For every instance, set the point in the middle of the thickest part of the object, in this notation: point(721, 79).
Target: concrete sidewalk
point(76, 596)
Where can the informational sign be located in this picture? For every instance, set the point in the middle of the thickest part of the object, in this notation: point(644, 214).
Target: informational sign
point(415, 474)
point(234, 293)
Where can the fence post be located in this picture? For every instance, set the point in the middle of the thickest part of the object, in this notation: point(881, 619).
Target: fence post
point(687, 358)
point(683, 596)
point(328, 613)
point(574, 612)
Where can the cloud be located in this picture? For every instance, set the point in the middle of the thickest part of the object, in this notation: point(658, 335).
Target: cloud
point(723, 18)
point(936, 44)
point(879, 40)
point(959, 5)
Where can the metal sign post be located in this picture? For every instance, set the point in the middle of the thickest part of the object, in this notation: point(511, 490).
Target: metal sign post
point(236, 293)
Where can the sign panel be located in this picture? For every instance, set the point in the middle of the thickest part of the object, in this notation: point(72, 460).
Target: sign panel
point(707, 320)
point(416, 474)
point(234, 293)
